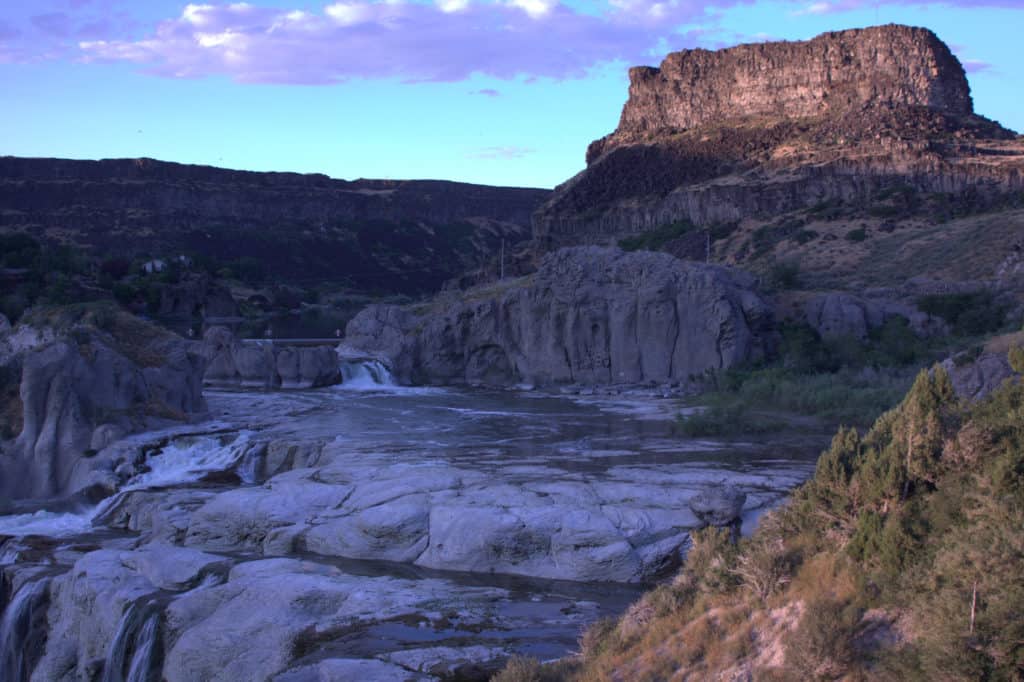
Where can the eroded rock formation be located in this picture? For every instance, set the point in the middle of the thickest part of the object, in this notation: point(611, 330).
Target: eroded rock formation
point(756, 131)
point(589, 315)
point(87, 377)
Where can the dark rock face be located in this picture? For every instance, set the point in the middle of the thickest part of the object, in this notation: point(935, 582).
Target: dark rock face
point(261, 364)
point(589, 315)
point(760, 130)
point(380, 235)
point(81, 387)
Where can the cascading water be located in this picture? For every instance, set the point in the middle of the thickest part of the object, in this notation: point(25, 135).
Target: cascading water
point(139, 633)
point(365, 375)
point(23, 631)
point(145, 651)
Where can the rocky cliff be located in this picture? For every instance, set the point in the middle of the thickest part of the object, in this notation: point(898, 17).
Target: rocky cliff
point(588, 315)
point(379, 235)
point(87, 376)
point(756, 131)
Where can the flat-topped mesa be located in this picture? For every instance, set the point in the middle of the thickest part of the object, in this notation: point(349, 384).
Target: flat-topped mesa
point(881, 67)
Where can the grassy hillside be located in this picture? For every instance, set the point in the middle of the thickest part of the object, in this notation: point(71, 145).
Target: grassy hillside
point(901, 559)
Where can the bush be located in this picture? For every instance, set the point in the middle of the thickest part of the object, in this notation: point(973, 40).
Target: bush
point(969, 314)
point(821, 646)
point(656, 238)
point(857, 235)
point(785, 274)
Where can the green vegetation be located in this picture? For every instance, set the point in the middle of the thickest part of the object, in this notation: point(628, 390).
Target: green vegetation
point(841, 381)
point(857, 235)
point(968, 314)
point(654, 239)
point(901, 559)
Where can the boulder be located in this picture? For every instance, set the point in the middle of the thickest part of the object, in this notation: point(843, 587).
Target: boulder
point(589, 315)
point(973, 379)
point(718, 505)
point(840, 315)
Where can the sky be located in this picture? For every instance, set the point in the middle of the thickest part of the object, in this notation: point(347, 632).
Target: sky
point(501, 92)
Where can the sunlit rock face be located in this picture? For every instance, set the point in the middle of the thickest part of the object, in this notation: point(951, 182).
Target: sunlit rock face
point(835, 73)
point(755, 131)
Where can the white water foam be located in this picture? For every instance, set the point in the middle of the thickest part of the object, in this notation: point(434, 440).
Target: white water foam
point(365, 375)
point(183, 460)
point(189, 459)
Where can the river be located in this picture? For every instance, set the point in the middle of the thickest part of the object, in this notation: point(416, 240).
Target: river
point(368, 530)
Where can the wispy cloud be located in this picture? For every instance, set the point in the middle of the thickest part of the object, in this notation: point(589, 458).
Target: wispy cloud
point(447, 40)
point(486, 92)
point(976, 65)
point(502, 153)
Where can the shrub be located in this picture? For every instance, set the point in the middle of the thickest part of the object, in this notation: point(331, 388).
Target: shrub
point(969, 314)
point(656, 238)
point(857, 235)
point(785, 274)
point(821, 646)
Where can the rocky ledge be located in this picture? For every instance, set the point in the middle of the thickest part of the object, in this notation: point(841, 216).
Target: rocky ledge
point(589, 315)
point(75, 379)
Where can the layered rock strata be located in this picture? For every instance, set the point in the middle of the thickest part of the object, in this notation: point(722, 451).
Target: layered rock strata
point(378, 235)
point(755, 131)
point(589, 315)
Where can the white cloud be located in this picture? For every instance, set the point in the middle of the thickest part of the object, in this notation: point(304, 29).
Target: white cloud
point(535, 8)
point(449, 6)
point(347, 14)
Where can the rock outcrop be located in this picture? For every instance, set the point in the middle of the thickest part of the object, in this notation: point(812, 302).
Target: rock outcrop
point(379, 235)
point(837, 315)
point(589, 315)
point(833, 74)
point(756, 131)
point(263, 364)
point(89, 375)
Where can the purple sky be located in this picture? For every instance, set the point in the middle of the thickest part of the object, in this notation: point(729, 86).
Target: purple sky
point(519, 55)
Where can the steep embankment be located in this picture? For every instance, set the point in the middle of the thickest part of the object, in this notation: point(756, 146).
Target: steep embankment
point(76, 379)
point(374, 235)
point(778, 149)
point(901, 559)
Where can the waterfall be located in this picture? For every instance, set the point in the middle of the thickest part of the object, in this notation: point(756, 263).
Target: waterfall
point(361, 375)
point(145, 650)
point(23, 631)
point(138, 632)
point(250, 465)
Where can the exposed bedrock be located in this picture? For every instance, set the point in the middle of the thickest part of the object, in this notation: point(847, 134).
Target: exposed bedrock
point(755, 131)
point(87, 377)
point(263, 364)
point(884, 66)
point(627, 524)
point(589, 315)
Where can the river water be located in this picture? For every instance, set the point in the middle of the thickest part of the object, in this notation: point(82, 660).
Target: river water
point(591, 492)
